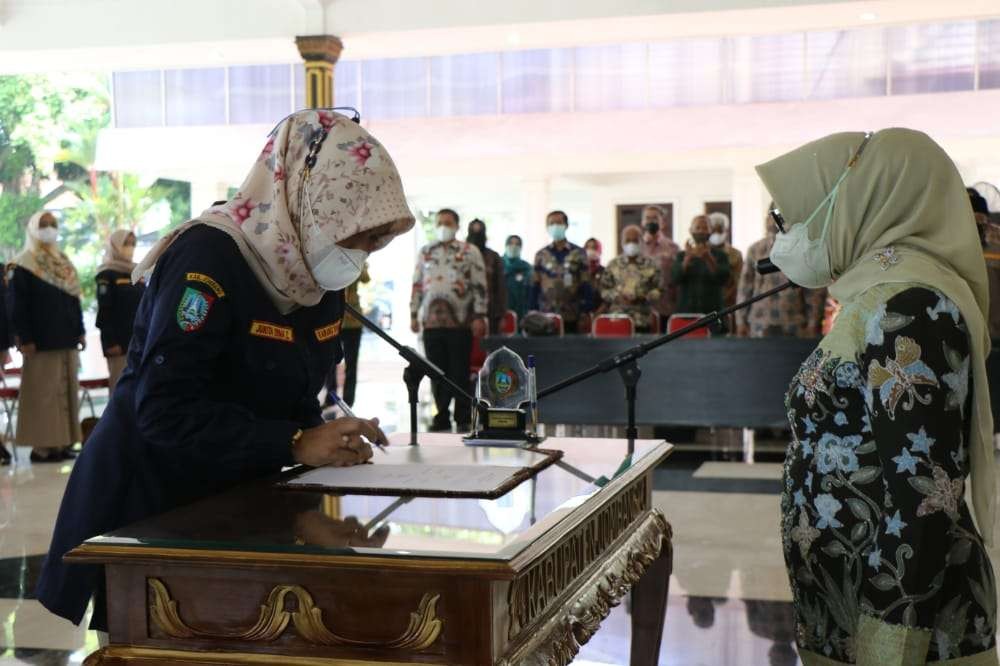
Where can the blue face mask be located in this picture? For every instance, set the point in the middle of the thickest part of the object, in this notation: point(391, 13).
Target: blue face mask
point(557, 232)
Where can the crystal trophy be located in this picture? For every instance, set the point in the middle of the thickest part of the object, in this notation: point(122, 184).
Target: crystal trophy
point(506, 399)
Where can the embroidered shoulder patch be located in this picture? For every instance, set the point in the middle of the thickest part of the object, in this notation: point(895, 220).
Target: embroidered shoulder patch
point(207, 281)
point(102, 287)
point(193, 309)
point(329, 331)
point(263, 329)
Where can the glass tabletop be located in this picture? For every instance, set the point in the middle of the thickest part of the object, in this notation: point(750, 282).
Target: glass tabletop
point(266, 517)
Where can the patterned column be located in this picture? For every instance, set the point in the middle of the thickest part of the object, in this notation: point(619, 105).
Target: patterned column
point(321, 53)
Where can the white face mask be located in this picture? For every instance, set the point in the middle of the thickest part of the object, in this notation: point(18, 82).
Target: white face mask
point(631, 249)
point(47, 235)
point(340, 268)
point(557, 232)
point(806, 261)
point(446, 234)
point(717, 239)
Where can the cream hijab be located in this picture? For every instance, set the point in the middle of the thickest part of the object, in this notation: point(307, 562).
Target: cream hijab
point(114, 253)
point(287, 215)
point(904, 192)
point(46, 261)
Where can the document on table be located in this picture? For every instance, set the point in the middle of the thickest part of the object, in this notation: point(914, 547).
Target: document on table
point(426, 479)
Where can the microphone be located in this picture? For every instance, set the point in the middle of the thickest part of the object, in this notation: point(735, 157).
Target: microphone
point(765, 267)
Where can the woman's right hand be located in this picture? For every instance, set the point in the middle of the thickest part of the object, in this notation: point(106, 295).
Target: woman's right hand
point(338, 443)
point(28, 350)
point(114, 351)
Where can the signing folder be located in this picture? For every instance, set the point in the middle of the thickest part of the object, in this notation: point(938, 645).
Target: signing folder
point(430, 471)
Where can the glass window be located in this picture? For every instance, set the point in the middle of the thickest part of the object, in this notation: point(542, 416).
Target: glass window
point(395, 88)
point(299, 79)
point(688, 72)
point(260, 93)
point(464, 85)
point(138, 99)
point(769, 68)
point(610, 77)
point(537, 81)
point(346, 76)
point(989, 54)
point(195, 96)
point(932, 57)
point(845, 63)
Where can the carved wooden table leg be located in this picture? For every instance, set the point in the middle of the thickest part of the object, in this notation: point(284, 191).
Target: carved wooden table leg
point(649, 606)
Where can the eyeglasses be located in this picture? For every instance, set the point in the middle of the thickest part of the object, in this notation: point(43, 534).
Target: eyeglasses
point(776, 214)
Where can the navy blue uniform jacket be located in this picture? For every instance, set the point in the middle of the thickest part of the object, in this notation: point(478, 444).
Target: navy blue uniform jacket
point(42, 314)
point(217, 384)
point(117, 302)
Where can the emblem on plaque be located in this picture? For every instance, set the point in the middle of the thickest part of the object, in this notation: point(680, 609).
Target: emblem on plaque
point(506, 402)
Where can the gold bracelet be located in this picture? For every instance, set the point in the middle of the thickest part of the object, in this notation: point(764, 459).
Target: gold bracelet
point(296, 437)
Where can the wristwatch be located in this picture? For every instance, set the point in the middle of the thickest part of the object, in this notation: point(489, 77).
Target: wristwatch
point(296, 437)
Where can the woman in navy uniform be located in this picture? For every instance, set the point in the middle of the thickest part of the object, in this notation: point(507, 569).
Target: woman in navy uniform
point(43, 299)
point(5, 344)
point(117, 300)
point(235, 333)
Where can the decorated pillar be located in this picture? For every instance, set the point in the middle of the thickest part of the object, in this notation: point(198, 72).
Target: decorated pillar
point(321, 53)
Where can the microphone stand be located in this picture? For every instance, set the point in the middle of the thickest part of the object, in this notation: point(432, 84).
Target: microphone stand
point(417, 367)
point(626, 362)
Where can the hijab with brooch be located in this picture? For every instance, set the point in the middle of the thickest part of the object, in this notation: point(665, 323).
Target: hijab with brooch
point(45, 260)
point(320, 179)
point(898, 214)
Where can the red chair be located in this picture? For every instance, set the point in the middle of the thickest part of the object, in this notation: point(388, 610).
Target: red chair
point(88, 385)
point(613, 326)
point(508, 325)
point(680, 320)
point(558, 322)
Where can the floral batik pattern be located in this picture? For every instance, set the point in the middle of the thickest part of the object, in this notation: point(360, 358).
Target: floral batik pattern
point(885, 563)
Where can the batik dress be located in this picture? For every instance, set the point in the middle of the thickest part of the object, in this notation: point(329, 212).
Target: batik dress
point(885, 563)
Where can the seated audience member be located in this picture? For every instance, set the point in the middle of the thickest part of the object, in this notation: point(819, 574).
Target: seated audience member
point(700, 272)
point(796, 313)
point(561, 280)
point(631, 282)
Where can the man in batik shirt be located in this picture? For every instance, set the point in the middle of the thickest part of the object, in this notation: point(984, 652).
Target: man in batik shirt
point(448, 303)
point(657, 245)
point(796, 313)
point(561, 279)
point(630, 284)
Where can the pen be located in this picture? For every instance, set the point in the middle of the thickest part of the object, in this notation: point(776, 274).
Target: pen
point(347, 412)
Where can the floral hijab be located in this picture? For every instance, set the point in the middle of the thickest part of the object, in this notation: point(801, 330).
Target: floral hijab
point(320, 179)
point(47, 262)
point(114, 253)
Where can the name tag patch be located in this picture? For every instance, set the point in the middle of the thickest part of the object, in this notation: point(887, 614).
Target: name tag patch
point(207, 281)
point(263, 329)
point(329, 331)
point(123, 281)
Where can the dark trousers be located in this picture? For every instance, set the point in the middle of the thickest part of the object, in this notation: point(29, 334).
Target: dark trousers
point(449, 349)
point(350, 338)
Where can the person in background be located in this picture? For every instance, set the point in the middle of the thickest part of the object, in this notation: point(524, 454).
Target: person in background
point(117, 301)
point(5, 345)
point(43, 297)
point(631, 282)
point(991, 253)
point(561, 280)
point(594, 249)
point(796, 313)
point(496, 284)
point(350, 340)
point(700, 272)
point(658, 246)
point(719, 224)
point(448, 304)
point(518, 276)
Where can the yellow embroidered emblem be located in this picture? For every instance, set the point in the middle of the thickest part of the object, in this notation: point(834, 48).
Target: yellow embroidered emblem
point(329, 331)
point(207, 281)
point(263, 329)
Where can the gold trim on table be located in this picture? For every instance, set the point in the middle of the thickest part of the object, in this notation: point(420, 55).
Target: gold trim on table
point(423, 629)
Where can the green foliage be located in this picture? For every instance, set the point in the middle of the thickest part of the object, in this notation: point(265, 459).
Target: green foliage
point(177, 194)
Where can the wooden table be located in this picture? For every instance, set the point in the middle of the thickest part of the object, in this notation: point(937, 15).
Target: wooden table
point(265, 575)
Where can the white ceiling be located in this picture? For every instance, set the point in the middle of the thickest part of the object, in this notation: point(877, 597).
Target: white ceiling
point(50, 35)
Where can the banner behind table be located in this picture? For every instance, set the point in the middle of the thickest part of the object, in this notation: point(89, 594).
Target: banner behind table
point(721, 382)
